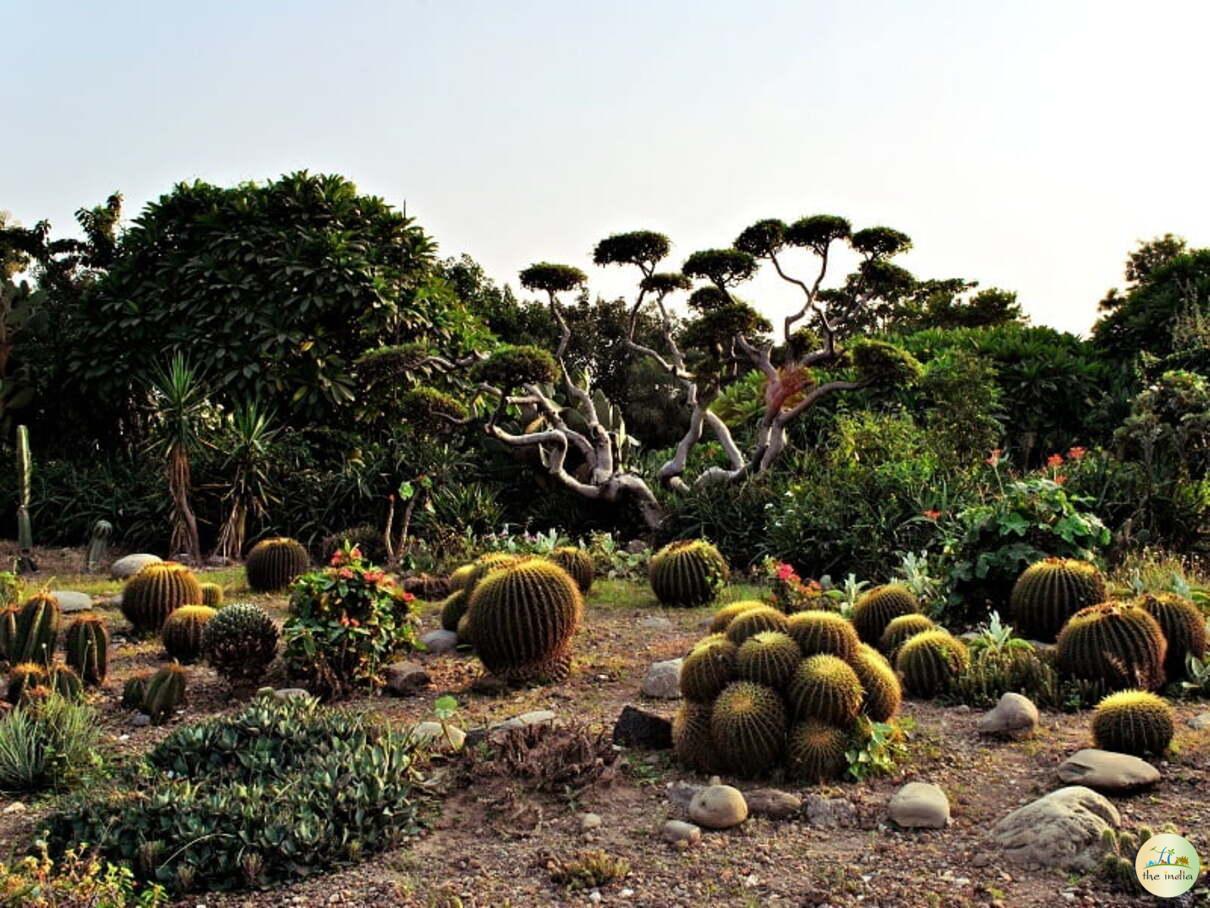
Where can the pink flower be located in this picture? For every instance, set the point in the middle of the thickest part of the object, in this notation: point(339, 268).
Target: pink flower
point(1054, 460)
point(345, 574)
point(786, 572)
point(994, 458)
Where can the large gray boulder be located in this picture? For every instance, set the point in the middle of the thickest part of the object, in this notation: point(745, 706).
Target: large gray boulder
point(129, 565)
point(1105, 770)
point(919, 805)
point(1061, 830)
point(71, 601)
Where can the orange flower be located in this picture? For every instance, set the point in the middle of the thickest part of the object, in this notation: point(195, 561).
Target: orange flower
point(1054, 460)
point(931, 513)
point(1060, 479)
point(1076, 453)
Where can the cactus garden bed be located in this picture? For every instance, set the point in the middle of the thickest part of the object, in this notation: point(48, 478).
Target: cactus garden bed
point(509, 828)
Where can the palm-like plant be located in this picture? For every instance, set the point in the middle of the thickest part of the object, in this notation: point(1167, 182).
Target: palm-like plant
point(178, 398)
point(252, 435)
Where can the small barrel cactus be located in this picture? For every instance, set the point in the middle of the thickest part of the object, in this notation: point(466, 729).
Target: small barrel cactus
point(461, 577)
point(768, 658)
point(1133, 722)
point(709, 667)
point(816, 631)
point(37, 630)
point(691, 741)
point(578, 563)
point(930, 662)
point(134, 691)
point(240, 642)
point(688, 573)
point(273, 564)
point(66, 683)
point(86, 643)
point(157, 591)
point(1049, 592)
point(1184, 628)
point(826, 688)
point(453, 607)
point(522, 617)
point(723, 617)
point(883, 693)
point(815, 751)
point(1116, 643)
point(8, 632)
point(879, 607)
point(24, 677)
point(182, 632)
point(900, 630)
point(748, 727)
point(753, 621)
point(212, 594)
point(164, 693)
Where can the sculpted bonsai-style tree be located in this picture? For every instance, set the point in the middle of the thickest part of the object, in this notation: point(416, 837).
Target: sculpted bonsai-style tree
point(722, 338)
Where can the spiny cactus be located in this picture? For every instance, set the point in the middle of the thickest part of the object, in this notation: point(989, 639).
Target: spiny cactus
point(463, 632)
point(86, 644)
point(1117, 643)
point(453, 607)
point(709, 667)
point(691, 741)
point(37, 630)
point(157, 591)
point(24, 677)
point(576, 562)
point(900, 630)
point(883, 694)
point(8, 632)
point(165, 692)
point(66, 683)
point(688, 573)
point(815, 751)
point(753, 621)
point(879, 607)
point(273, 564)
point(723, 617)
point(134, 691)
point(1133, 722)
point(769, 658)
point(748, 727)
point(522, 617)
point(826, 688)
point(816, 631)
point(931, 661)
point(212, 594)
point(1184, 628)
point(240, 642)
point(1049, 592)
point(461, 577)
point(182, 632)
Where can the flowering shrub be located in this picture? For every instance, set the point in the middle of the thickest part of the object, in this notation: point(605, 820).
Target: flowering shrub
point(77, 880)
point(790, 592)
point(346, 622)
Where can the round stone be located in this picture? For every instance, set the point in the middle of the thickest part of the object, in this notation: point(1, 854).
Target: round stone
point(718, 807)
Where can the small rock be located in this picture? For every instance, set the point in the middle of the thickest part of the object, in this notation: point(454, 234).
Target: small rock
point(70, 601)
point(637, 547)
point(1105, 770)
point(771, 803)
point(718, 807)
point(681, 793)
point(1199, 722)
point(291, 693)
point(676, 831)
point(131, 565)
point(406, 678)
point(1062, 829)
point(830, 813)
point(595, 896)
point(919, 805)
point(663, 680)
point(656, 623)
point(439, 641)
point(447, 738)
point(1015, 716)
point(15, 807)
point(533, 717)
point(638, 728)
point(590, 821)
point(141, 720)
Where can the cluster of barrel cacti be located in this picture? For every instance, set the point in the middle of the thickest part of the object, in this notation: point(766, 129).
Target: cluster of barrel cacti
point(764, 689)
point(158, 694)
point(688, 573)
point(157, 591)
point(29, 636)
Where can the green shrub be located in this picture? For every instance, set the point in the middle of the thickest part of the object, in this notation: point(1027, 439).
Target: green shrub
point(346, 623)
point(47, 745)
point(277, 791)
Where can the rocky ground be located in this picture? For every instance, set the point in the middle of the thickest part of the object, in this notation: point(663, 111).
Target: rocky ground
point(498, 841)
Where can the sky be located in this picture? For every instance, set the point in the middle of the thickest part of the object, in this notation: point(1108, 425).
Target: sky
point(1026, 145)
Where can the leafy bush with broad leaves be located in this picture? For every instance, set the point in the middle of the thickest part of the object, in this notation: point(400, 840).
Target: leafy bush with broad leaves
point(993, 542)
point(346, 623)
point(279, 790)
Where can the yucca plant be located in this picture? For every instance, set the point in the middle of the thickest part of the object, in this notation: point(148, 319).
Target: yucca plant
point(178, 401)
point(252, 434)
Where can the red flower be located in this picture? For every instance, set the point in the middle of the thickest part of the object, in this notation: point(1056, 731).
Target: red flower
point(931, 514)
point(355, 553)
point(786, 572)
point(373, 576)
point(406, 596)
point(1054, 460)
point(1076, 453)
point(345, 574)
point(994, 458)
point(1060, 479)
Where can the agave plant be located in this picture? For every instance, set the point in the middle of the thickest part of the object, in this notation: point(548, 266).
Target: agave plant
point(251, 438)
point(996, 637)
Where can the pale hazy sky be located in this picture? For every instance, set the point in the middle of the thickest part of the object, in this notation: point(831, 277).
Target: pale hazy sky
point(1024, 144)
